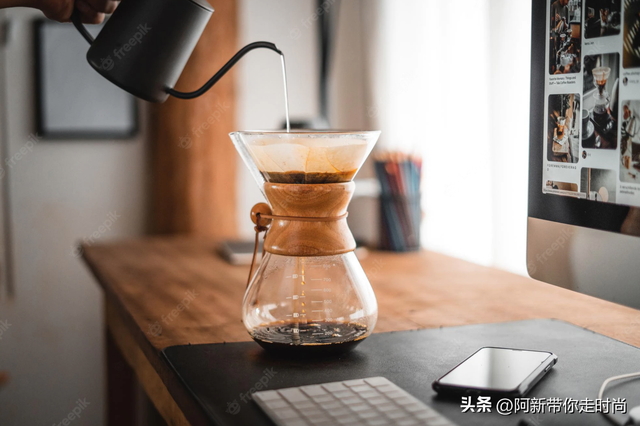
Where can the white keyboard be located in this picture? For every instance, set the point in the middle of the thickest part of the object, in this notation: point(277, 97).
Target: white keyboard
point(373, 401)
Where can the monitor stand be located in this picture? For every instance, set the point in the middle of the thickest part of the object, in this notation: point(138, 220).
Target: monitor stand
point(585, 260)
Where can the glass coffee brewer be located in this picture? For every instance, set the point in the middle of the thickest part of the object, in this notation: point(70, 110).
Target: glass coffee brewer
point(309, 294)
point(601, 108)
point(604, 122)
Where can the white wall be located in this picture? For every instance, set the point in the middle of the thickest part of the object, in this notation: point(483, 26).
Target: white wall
point(510, 86)
point(451, 80)
point(60, 192)
point(428, 66)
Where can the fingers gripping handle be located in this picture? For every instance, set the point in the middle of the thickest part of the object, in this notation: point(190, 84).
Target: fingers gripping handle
point(77, 22)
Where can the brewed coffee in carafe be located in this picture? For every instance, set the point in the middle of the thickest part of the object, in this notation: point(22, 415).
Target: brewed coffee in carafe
point(310, 294)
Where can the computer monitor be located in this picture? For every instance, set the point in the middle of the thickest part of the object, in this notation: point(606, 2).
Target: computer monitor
point(584, 166)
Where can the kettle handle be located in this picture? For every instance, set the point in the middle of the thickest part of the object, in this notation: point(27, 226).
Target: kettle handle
point(77, 22)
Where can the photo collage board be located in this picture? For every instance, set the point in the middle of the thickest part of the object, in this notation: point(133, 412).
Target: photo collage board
point(592, 101)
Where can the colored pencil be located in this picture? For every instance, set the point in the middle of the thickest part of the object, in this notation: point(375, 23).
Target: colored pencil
point(399, 175)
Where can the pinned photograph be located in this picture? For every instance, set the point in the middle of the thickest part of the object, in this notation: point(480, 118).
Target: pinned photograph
point(631, 50)
point(603, 18)
point(566, 37)
point(630, 142)
point(563, 132)
point(567, 189)
point(600, 88)
point(598, 185)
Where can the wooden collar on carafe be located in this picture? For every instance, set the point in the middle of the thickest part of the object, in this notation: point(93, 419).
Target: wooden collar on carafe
point(304, 220)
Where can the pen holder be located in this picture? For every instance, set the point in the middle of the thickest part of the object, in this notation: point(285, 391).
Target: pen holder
point(400, 218)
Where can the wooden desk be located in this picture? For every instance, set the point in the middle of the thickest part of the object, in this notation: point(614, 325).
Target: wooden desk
point(162, 292)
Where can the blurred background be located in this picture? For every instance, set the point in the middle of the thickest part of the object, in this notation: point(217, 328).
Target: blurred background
point(448, 81)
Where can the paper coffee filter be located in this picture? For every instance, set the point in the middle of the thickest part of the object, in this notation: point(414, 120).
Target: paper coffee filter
point(309, 155)
point(601, 74)
point(312, 157)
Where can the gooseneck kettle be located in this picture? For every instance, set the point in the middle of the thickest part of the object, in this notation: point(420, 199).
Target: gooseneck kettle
point(144, 46)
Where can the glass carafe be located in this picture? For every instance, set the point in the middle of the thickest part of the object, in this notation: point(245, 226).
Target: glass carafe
point(601, 108)
point(309, 295)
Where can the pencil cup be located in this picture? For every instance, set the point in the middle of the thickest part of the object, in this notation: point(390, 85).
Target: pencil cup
point(400, 217)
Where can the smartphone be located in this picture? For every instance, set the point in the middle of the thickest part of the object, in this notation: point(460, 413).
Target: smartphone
point(238, 252)
point(500, 372)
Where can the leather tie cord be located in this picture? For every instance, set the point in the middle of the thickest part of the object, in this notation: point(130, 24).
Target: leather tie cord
point(262, 228)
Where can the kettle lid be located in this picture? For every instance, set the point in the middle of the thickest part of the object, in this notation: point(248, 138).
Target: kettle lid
point(203, 4)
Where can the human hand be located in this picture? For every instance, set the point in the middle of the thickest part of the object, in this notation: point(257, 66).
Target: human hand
point(91, 11)
point(631, 225)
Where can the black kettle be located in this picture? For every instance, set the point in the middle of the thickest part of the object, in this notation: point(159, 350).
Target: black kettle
point(145, 45)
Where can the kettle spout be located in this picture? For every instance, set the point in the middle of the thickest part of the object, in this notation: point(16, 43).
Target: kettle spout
point(226, 67)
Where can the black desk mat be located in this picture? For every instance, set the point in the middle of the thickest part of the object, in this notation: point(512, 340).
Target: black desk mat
point(221, 376)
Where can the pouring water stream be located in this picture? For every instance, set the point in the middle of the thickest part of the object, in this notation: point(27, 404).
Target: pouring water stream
point(286, 92)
